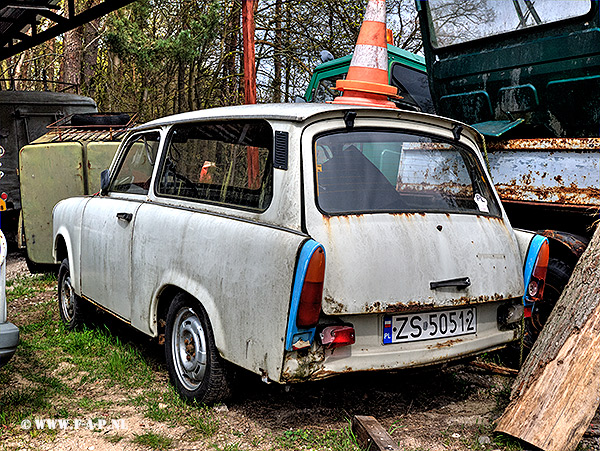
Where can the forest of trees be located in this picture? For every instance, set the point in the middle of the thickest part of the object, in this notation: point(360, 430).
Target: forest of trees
point(158, 57)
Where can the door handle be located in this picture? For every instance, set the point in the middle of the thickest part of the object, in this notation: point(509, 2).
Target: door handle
point(125, 216)
point(460, 283)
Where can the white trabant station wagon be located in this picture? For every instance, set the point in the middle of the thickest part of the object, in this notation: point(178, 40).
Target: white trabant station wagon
point(299, 241)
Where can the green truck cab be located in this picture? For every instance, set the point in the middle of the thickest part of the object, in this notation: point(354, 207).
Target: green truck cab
point(407, 72)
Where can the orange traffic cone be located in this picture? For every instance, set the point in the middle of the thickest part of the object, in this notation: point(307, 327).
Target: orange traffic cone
point(367, 79)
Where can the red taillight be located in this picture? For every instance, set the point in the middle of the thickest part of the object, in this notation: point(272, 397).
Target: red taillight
point(337, 336)
point(3, 196)
point(535, 290)
point(309, 308)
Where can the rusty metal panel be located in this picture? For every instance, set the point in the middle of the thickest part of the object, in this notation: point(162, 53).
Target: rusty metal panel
point(49, 173)
point(547, 171)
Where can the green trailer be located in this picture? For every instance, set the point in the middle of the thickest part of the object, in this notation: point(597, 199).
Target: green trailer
point(63, 163)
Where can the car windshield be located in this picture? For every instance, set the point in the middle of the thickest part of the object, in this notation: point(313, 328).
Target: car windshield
point(457, 21)
point(375, 170)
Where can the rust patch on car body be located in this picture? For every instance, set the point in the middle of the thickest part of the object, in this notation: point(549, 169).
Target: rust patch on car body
point(334, 307)
point(300, 366)
point(445, 344)
point(413, 306)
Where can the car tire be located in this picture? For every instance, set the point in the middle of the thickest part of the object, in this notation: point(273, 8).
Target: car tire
point(557, 277)
point(70, 305)
point(195, 367)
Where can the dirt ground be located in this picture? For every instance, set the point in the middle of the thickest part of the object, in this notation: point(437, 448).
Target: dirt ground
point(438, 409)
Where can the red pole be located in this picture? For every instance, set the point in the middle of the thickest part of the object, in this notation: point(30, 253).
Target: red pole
point(250, 82)
point(249, 58)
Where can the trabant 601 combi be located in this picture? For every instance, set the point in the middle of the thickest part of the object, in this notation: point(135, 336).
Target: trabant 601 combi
point(299, 241)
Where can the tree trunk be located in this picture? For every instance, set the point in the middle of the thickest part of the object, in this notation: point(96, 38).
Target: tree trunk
point(90, 54)
point(555, 395)
point(277, 55)
point(73, 48)
point(181, 107)
point(230, 69)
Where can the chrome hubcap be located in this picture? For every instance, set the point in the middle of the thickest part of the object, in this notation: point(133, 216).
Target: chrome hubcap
point(67, 301)
point(188, 347)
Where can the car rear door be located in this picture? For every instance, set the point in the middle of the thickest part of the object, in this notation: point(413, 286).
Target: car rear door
point(407, 217)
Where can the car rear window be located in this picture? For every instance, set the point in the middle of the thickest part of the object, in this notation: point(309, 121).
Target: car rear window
point(225, 162)
point(368, 171)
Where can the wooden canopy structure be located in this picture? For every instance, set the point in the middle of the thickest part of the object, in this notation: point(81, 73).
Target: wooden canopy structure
point(21, 21)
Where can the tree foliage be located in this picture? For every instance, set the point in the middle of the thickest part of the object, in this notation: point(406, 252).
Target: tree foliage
point(158, 57)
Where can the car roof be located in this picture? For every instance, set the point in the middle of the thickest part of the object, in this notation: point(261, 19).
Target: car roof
point(297, 112)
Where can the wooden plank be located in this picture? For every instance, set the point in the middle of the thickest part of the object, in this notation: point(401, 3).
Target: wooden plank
point(371, 435)
point(556, 394)
point(494, 368)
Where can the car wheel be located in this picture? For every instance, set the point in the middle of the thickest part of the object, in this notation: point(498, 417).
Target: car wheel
point(70, 305)
point(557, 277)
point(195, 367)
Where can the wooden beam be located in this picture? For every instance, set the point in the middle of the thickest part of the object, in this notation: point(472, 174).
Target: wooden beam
point(62, 26)
point(555, 395)
point(371, 435)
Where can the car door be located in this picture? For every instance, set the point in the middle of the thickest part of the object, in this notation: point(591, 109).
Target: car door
point(107, 226)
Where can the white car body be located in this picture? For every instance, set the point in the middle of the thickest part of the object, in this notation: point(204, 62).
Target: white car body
point(240, 264)
point(9, 333)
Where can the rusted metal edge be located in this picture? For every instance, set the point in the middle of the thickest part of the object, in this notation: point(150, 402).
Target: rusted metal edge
point(546, 144)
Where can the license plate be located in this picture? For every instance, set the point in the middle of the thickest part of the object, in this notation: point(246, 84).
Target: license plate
point(429, 326)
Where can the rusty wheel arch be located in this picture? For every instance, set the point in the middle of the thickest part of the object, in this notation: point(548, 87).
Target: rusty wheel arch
point(165, 298)
point(565, 246)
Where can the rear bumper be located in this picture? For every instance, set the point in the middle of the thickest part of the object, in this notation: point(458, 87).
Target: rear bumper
point(9, 339)
point(369, 353)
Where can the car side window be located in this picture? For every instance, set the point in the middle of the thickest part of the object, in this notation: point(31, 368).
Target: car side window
point(135, 172)
point(226, 162)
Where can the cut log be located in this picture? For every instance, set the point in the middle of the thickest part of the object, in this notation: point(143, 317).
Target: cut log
point(371, 435)
point(556, 393)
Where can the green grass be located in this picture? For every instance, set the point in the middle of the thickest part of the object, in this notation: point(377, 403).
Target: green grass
point(95, 352)
point(204, 422)
point(50, 360)
point(334, 440)
point(228, 447)
point(27, 286)
point(93, 404)
point(114, 438)
point(168, 407)
point(154, 441)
